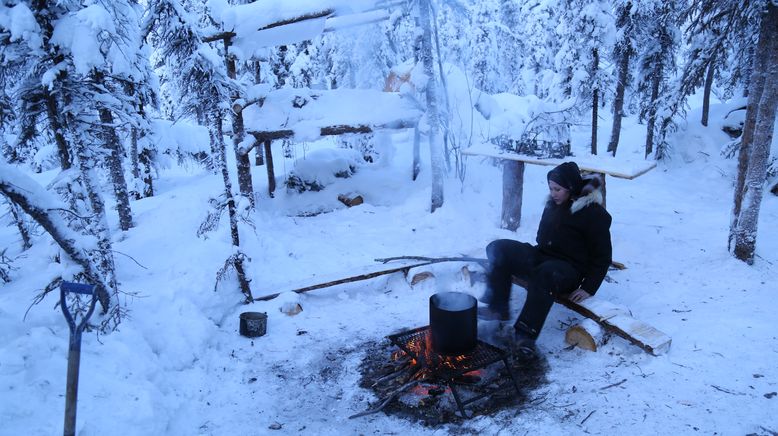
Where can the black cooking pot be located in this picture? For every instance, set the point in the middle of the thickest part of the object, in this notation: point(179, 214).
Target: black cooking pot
point(453, 323)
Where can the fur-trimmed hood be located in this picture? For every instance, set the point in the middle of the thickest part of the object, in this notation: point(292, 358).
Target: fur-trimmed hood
point(591, 193)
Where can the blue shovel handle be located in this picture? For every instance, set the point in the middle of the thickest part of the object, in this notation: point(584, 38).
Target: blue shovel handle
point(76, 288)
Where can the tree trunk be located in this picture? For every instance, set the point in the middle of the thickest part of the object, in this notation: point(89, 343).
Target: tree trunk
point(436, 148)
point(757, 83)
point(55, 124)
point(656, 79)
point(595, 99)
point(18, 219)
point(707, 90)
point(245, 184)
point(271, 172)
point(217, 135)
point(752, 168)
point(416, 152)
point(99, 226)
point(618, 102)
point(115, 167)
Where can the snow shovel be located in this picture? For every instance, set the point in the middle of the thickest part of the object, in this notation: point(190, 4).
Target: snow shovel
point(74, 351)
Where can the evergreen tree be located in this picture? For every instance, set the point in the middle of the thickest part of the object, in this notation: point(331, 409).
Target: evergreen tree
point(659, 34)
point(623, 52)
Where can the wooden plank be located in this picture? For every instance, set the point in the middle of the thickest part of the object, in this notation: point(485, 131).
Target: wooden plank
point(622, 169)
point(618, 320)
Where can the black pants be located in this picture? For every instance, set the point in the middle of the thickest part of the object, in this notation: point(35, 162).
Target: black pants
point(546, 276)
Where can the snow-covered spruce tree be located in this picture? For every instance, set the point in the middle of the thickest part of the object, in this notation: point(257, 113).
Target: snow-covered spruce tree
point(720, 35)
point(657, 22)
point(43, 207)
point(59, 72)
point(587, 30)
point(483, 53)
point(206, 90)
point(623, 52)
point(538, 30)
point(757, 137)
point(7, 114)
point(509, 41)
point(174, 33)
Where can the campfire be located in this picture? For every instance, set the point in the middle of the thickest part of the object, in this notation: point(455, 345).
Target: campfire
point(445, 359)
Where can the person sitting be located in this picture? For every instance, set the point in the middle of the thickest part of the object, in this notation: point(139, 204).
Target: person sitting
point(570, 260)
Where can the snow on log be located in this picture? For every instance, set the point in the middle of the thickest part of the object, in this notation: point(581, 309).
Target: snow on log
point(587, 335)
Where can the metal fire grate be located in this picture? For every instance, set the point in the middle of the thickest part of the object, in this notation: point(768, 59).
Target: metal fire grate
point(450, 369)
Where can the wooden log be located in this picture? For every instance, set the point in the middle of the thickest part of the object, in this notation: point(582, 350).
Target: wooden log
point(512, 192)
point(618, 320)
point(587, 335)
point(420, 277)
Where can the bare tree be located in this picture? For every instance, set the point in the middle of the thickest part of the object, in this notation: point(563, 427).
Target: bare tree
point(433, 117)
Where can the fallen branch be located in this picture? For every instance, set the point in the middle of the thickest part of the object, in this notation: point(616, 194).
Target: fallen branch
point(726, 391)
point(479, 260)
point(388, 399)
point(587, 417)
point(355, 278)
point(613, 385)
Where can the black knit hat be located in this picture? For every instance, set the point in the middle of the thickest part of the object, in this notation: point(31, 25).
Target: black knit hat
point(568, 176)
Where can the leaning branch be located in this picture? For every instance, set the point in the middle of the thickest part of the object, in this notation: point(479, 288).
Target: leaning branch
point(37, 202)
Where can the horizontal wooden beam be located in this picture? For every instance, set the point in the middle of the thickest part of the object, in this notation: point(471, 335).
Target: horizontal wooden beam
point(333, 130)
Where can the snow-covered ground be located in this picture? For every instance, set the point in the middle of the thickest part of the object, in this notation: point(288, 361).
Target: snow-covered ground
point(178, 366)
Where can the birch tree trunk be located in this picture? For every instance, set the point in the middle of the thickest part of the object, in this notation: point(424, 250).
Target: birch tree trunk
point(98, 226)
point(755, 146)
point(436, 147)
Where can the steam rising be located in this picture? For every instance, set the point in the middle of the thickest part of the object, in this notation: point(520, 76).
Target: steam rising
point(453, 301)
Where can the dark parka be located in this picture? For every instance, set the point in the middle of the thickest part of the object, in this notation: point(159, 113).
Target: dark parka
point(578, 232)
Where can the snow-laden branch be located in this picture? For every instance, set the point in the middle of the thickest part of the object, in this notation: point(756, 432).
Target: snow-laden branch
point(40, 204)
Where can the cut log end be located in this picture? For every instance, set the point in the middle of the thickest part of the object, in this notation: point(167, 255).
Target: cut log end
point(420, 277)
point(586, 335)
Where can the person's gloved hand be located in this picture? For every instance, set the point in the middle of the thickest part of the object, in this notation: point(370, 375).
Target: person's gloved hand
point(578, 295)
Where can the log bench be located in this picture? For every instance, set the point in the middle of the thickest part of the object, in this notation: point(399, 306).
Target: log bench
point(513, 174)
point(611, 317)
